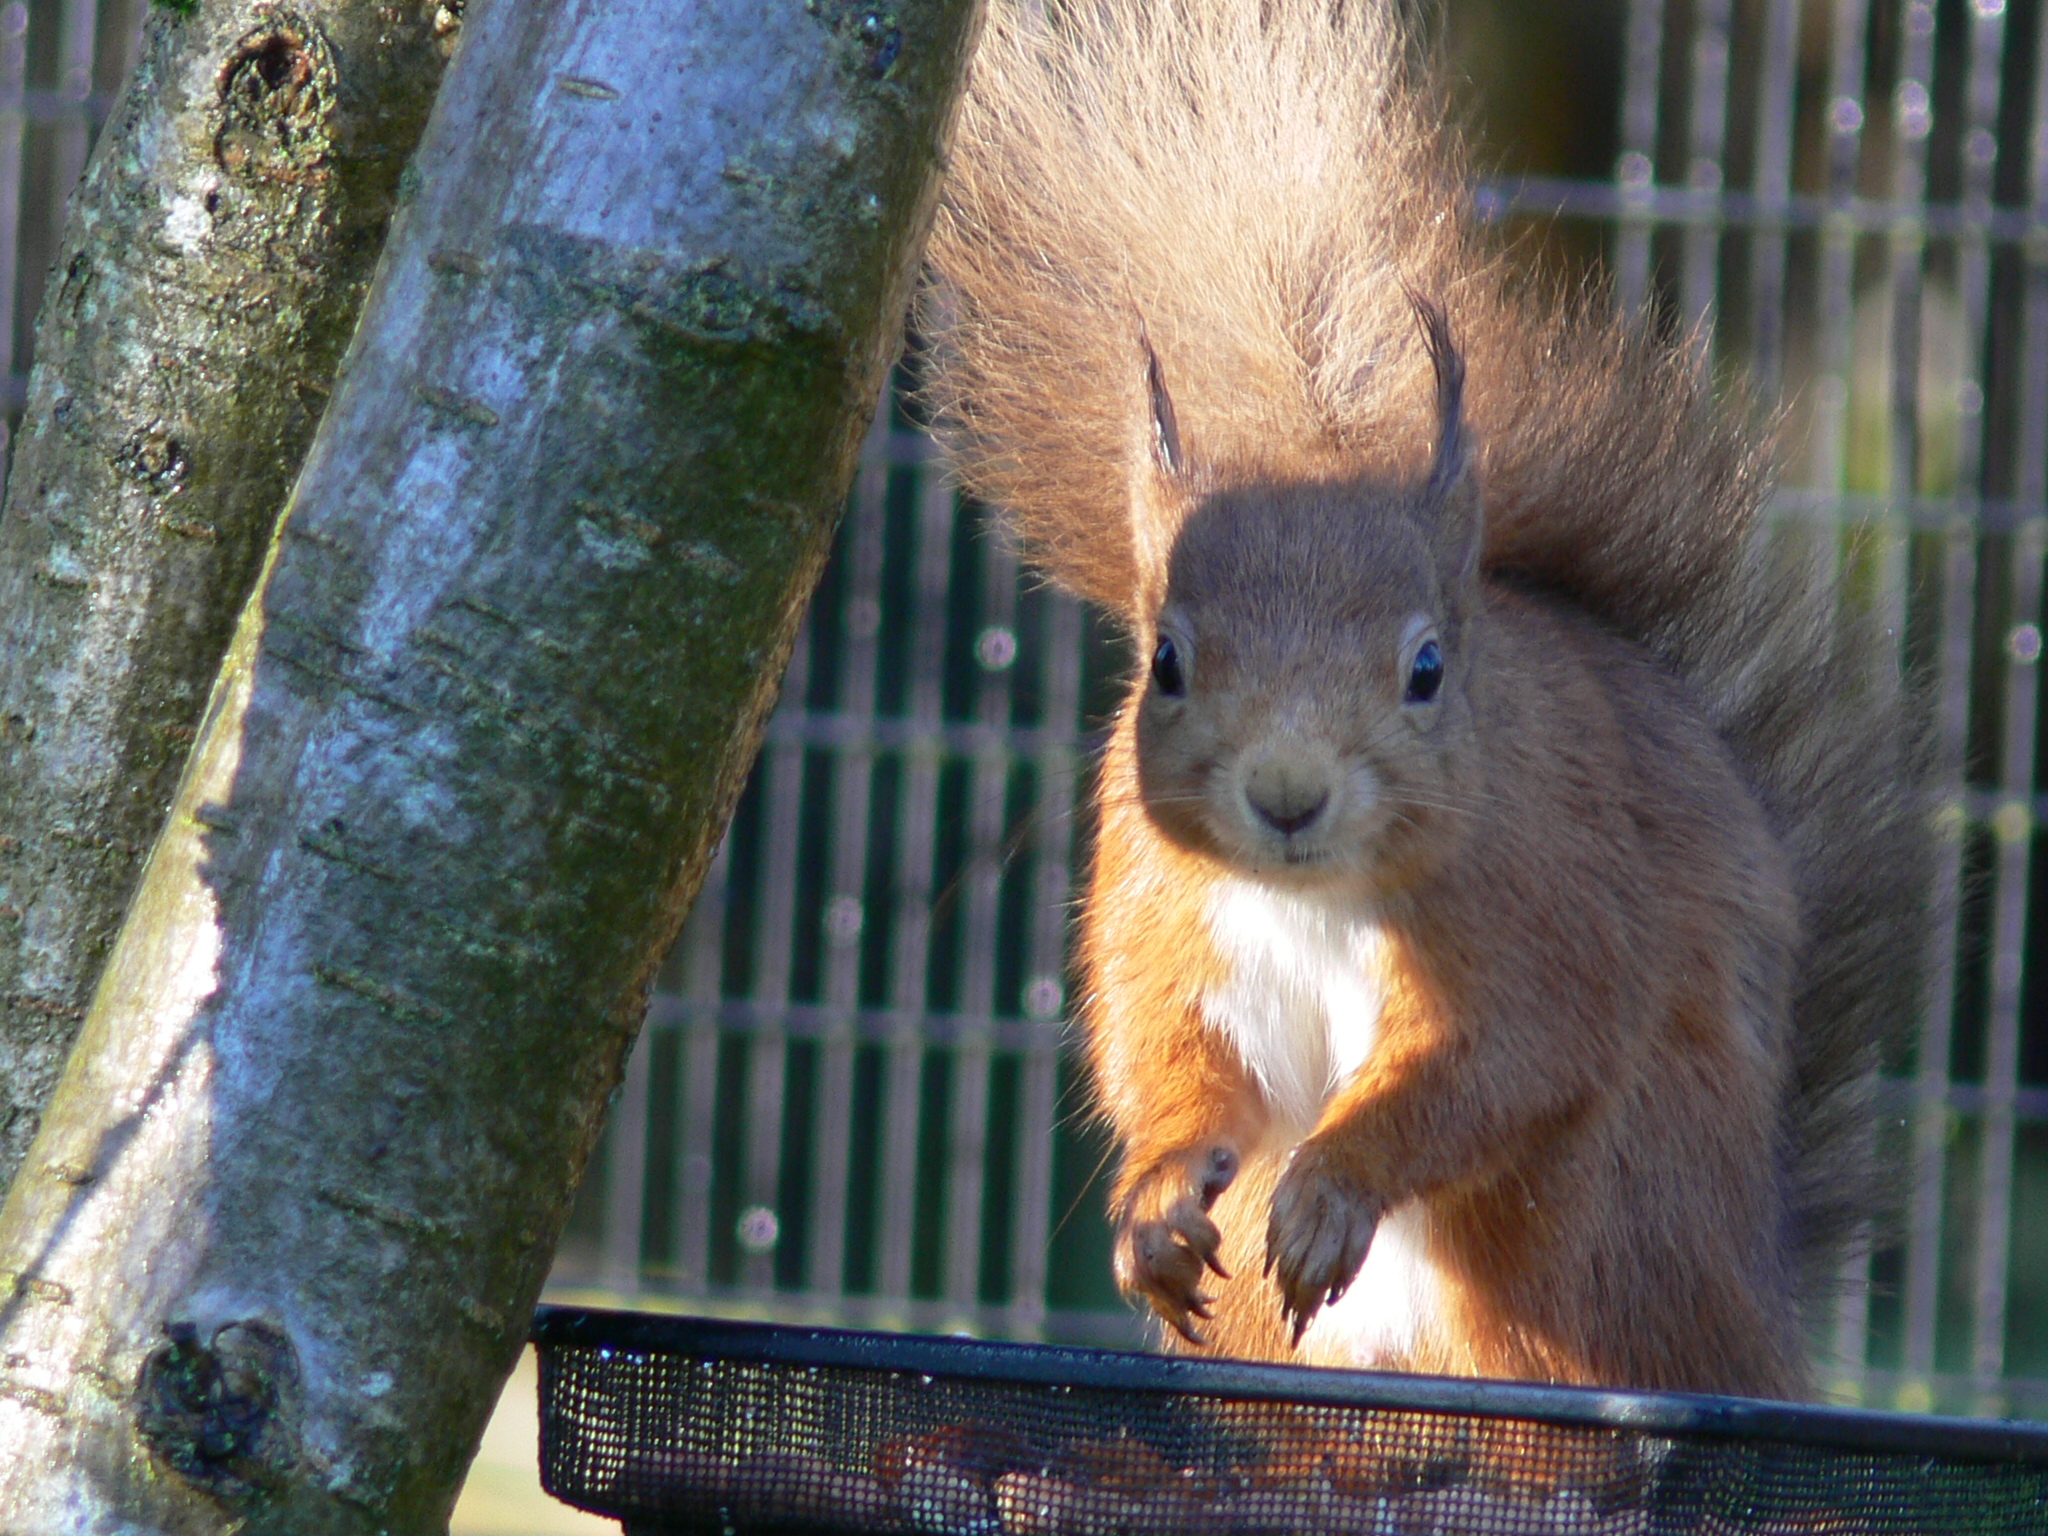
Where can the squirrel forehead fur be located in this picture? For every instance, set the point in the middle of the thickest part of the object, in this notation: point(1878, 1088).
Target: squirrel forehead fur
point(1253, 195)
point(1281, 563)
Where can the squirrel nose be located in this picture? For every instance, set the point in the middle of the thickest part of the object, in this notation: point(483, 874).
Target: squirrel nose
point(1285, 797)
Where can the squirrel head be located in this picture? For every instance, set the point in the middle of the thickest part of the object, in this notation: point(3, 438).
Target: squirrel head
point(1304, 714)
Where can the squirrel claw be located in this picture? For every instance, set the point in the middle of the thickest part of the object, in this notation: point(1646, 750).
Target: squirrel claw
point(1317, 1236)
point(1166, 1244)
point(1195, 1306)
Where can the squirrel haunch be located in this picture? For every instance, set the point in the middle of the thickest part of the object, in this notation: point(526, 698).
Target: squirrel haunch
point(1507, 860)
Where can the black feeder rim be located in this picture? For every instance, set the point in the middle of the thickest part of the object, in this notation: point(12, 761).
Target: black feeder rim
point(687, 1424)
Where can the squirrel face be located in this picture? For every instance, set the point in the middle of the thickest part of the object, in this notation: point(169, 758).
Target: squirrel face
point(1304, 717)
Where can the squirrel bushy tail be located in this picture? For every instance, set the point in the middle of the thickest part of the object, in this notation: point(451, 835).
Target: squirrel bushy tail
point(1256, 188)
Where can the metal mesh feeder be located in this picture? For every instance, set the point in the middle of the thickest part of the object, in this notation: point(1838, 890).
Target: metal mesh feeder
point(675, 1424)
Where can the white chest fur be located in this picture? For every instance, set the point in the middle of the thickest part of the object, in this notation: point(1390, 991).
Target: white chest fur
point(1302, 1007)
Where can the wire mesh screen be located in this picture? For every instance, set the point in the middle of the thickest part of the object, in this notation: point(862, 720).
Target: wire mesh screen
point(673, 1425)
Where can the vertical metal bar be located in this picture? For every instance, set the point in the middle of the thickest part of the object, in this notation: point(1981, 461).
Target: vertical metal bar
point(1973, 256)
point(1912, 117)
point(2014, 824)
point(121, 27)
point(2014, 821)
point(625, 1184)
point(1707, 137)
point(1637, 168)
point(1837, 297)
point(852, 784)
point(1777, 82)
point(1044, 999)
point(75, 34)
point(967, 1141)
point(1924, 1247)
point(1837, 305)
point(774, 935)
point(911, 937)
point(1912, 122)
point(697, 1084)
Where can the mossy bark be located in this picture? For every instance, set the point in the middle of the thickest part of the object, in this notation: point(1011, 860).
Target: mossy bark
point(214, 260)
point(481, 724)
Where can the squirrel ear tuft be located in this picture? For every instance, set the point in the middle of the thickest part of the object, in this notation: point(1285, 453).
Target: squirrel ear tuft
point(1453, 489)
point(1165, 429)
point(1157, 480)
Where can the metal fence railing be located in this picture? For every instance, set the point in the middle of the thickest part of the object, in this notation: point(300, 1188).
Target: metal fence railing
point(61, 61)
point(854, 1101)
point(1854, 196)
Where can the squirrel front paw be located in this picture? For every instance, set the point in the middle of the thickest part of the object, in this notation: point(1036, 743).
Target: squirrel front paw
point(1318, 1234)
point(1165, 1241)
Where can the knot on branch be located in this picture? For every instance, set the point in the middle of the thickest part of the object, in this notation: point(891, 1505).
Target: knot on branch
point(448, 23)
point(223, 1413)
point(156, 458)
point(276, 96)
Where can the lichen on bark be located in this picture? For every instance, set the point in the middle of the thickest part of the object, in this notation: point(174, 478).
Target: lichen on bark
point(211, 268)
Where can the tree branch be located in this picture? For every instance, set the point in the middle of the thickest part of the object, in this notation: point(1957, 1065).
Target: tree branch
point(212, 266)
point(467, 760)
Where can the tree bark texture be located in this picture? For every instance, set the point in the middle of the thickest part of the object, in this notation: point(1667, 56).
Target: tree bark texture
point(211, 270)
point(471, 749)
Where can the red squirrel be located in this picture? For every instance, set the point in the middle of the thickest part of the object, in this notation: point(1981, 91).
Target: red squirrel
point(1507, 858)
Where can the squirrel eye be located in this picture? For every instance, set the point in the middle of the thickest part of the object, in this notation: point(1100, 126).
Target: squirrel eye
point(1426, 675)
point(1166, 670)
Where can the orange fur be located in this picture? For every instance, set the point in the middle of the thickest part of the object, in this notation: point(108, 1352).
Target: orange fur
point(1543, 1008)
